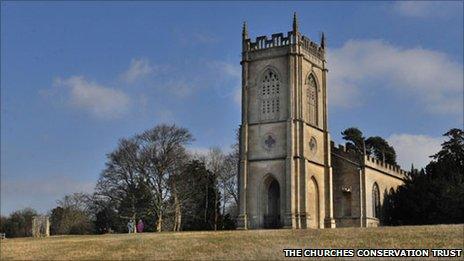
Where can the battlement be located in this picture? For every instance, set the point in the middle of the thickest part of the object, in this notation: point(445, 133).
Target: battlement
point(385, 167)
point(312, 47)
point(278, 40)
point(262, 42)
point(293, 38)
point(343, 152)
point(368, 161)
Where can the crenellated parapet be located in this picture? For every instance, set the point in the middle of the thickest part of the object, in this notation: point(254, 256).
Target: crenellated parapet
point(367, 161)
point(276, 40)
point(312, 47)
point(292, 38)
point(344, 153)
point(279, 40)
point(394, 170)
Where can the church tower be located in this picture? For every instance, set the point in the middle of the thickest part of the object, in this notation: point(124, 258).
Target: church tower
point(285, 175)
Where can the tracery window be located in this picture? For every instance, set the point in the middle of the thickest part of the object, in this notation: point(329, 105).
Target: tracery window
point(375, 201)
point(311, 93)
point(270, 95)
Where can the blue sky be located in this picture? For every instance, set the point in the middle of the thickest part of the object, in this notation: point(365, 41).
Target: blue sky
point(78, 76)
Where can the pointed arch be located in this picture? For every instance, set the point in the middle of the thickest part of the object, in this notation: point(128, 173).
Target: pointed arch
point(271, 202)
point(375, 200)
point(391, 191)
point(313, 207)
point(270, 88)
point(312, 98)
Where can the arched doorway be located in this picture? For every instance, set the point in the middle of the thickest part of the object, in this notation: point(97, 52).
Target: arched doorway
point(272, 206)
point(313, 203)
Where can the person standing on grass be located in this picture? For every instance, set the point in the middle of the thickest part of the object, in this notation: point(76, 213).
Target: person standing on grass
point(130, 226)
point(133, 226)
point(140, 226)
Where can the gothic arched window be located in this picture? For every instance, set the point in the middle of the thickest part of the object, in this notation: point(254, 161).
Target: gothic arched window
point(311, 93)
point(375, 201)
point(270, 95)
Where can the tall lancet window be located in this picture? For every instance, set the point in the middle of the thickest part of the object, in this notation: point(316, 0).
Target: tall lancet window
point(312, 99)
point(375, 201)
point(270, 95)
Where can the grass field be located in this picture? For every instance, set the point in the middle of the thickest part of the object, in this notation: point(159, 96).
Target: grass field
point(252, 244)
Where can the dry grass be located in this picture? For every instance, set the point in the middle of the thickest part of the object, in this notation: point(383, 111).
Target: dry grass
point(252, 244)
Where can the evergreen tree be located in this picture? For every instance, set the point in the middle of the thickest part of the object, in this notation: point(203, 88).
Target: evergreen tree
point(106, 220)
point(434, 195)
point(199, 207)
point(381, 150)
point(355, 139)
point(374, 146)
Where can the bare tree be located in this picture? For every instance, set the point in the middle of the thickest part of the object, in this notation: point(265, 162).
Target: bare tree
point(215, 160)
point(76, 201)
point(73, 215)
point(179, 192)
point(224, 169)
point(119, 180)
point(229, 178)
point(162, 148)
point(139, 171)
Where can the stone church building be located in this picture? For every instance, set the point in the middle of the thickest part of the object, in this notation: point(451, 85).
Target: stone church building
point(291, 174)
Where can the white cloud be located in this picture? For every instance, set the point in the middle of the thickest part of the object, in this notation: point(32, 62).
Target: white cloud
point(429, 76)
point(99, 100)
point(425, 8)
point(414, 149)
point(138, 69)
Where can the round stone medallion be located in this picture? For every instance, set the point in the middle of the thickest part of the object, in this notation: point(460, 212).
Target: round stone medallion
point(313, 145)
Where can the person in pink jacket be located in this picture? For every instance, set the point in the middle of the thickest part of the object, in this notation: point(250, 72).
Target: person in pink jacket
point(140, 226)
